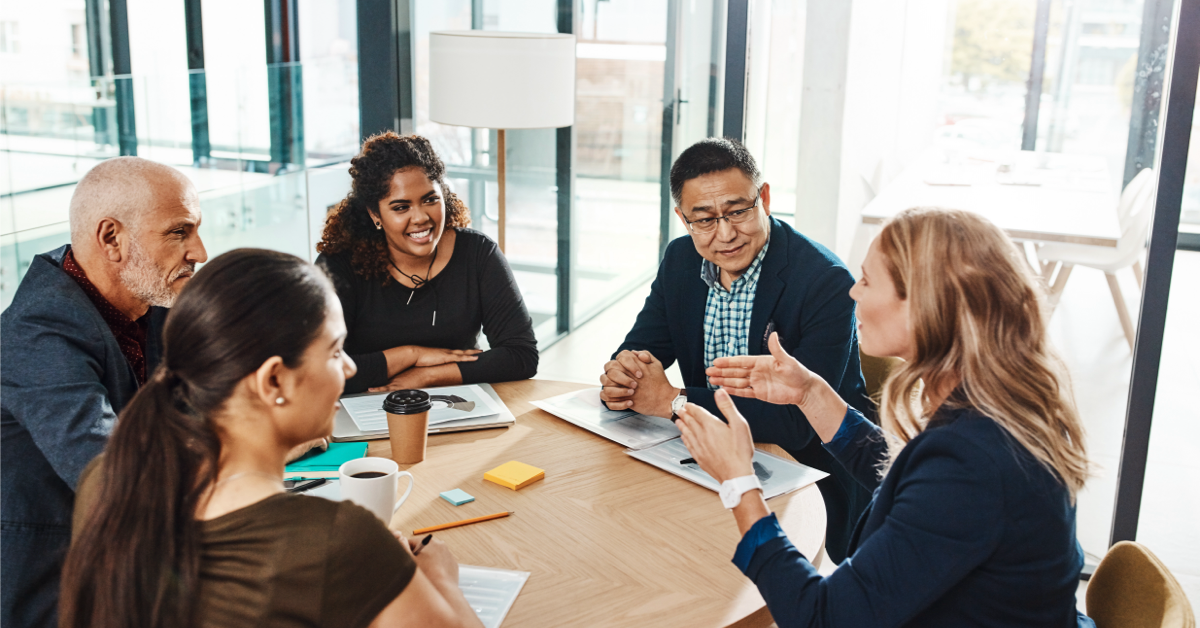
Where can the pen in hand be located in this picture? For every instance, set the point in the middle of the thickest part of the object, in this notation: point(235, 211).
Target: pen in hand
point(425, 541)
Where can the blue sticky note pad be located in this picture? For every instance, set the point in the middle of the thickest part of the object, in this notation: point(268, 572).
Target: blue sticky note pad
point(458, 497)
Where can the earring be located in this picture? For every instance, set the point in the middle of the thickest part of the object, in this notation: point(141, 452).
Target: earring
point(279, 401)
point(378, 225)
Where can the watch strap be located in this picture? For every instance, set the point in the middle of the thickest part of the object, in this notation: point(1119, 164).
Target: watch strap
point(733, 489)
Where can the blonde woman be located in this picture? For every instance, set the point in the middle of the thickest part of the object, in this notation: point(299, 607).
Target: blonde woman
point(977, 466)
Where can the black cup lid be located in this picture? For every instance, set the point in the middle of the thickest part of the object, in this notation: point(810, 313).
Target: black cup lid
point(407, 402)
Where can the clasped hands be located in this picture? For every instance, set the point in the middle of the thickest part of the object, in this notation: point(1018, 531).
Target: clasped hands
point(415, 364)
point(636, 380)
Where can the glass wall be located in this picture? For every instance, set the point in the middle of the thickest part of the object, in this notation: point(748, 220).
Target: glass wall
point(618, 128)
point(531, 202)
point(934, 114)
point(621, 56)
point(776, 60)
point(59, 120)
point(1170, 503)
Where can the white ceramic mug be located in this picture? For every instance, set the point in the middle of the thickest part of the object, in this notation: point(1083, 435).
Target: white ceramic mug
point(375, 494)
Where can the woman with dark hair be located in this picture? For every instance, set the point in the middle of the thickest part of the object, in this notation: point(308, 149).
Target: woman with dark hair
point(183, 521)
point(415, 283)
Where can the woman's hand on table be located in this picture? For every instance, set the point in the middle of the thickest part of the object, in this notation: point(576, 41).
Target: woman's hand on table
point(423, 377)
point(776, 378)
point(722, 451)
point(431, 356)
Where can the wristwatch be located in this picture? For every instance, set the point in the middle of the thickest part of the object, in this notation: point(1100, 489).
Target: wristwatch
point(732, 490)
point(677, 404)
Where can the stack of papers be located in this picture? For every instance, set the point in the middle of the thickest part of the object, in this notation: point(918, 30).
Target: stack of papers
point(656, 441)
point(451, 403)
point(633, 430)
point(326, 463)
point(491, 592)
point(777, 476)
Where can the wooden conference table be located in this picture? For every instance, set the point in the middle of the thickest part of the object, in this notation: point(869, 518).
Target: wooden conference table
point(609, 540)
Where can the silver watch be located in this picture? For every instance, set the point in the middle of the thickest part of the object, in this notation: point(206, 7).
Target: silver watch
point(677, 403)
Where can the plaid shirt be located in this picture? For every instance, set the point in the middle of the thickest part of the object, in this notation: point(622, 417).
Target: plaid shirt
point(727, 312)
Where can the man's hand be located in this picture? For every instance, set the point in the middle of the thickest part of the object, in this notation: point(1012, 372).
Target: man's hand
point(654, 393)
point(620, 379)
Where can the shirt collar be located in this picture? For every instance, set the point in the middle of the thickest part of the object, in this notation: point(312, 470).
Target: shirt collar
point(711, 273)
point(116, 319)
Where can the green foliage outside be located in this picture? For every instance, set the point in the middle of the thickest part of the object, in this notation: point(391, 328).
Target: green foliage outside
point(993, 41)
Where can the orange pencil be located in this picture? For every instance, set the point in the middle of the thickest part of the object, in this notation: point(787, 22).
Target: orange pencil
point(455, 524)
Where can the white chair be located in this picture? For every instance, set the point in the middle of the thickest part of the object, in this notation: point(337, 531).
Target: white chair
point(1134, 211)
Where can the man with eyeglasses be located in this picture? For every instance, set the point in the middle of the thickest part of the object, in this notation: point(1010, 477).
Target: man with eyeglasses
point(743, 276)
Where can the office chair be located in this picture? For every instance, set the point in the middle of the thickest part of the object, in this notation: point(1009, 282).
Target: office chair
point(1133, 589)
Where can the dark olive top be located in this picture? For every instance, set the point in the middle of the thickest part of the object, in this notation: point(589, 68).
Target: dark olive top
point(291, 560)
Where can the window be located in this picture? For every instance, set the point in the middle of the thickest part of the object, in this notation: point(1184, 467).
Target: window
point(78, 40)
point(8, 38)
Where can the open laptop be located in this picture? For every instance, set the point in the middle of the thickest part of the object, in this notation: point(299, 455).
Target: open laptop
point(344, 429)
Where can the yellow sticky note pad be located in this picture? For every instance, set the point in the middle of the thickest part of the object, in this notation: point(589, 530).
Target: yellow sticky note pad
point(514, 475)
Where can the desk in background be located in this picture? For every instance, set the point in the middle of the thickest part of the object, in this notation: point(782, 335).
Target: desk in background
point(1075, 200)
point(610, 541)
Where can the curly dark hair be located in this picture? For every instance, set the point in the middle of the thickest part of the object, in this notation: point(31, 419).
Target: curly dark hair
point(350, 227)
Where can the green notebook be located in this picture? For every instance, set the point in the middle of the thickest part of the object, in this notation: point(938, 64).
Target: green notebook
point(331, 460)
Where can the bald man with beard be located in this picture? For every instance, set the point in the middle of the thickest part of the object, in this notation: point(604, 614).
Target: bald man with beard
point(82, 333)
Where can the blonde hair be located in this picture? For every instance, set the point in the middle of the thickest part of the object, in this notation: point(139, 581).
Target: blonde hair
point(977, 314)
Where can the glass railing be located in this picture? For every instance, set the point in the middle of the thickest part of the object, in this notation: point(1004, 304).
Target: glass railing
point(267, 149)
point(265, 146)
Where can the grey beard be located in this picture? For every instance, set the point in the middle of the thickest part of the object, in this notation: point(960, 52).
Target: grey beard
point(145, 280)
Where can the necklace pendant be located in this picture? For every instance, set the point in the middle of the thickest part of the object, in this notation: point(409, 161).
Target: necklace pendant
point(410, 296)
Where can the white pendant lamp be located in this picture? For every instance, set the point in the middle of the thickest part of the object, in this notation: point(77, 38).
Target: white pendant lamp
point(501, 80)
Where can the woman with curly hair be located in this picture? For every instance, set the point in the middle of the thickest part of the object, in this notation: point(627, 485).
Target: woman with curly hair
point(416, 284)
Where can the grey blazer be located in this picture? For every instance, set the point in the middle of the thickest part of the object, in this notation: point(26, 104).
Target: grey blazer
point(63, 379)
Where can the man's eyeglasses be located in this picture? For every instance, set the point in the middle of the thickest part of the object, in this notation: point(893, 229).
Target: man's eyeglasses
point(735, 217)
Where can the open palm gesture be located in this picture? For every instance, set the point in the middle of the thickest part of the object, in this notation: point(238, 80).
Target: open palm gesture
point(776, 378)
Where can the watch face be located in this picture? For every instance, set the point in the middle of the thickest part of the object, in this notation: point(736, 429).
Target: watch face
point(678, 403)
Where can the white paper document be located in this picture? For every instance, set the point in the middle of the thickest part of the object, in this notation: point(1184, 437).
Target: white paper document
point(777, 476)
point(491, 592)
point(633, 430)
point(450, 403)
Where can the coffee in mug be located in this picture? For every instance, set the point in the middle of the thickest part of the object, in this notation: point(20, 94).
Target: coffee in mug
point(372, 483)
point(408, 424)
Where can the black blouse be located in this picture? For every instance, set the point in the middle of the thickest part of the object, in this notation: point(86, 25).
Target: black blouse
point(476, 289)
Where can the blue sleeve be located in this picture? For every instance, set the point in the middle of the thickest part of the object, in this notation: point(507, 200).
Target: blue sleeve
point(860, 447)
point(947, 519)
point(53, 386)
point(762, 532)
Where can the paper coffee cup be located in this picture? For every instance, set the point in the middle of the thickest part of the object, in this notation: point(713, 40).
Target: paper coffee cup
point(408, 424)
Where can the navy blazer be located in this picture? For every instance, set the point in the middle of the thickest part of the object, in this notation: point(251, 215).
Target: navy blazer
point(803, 294)
point(966, 529)
point(63, 380)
